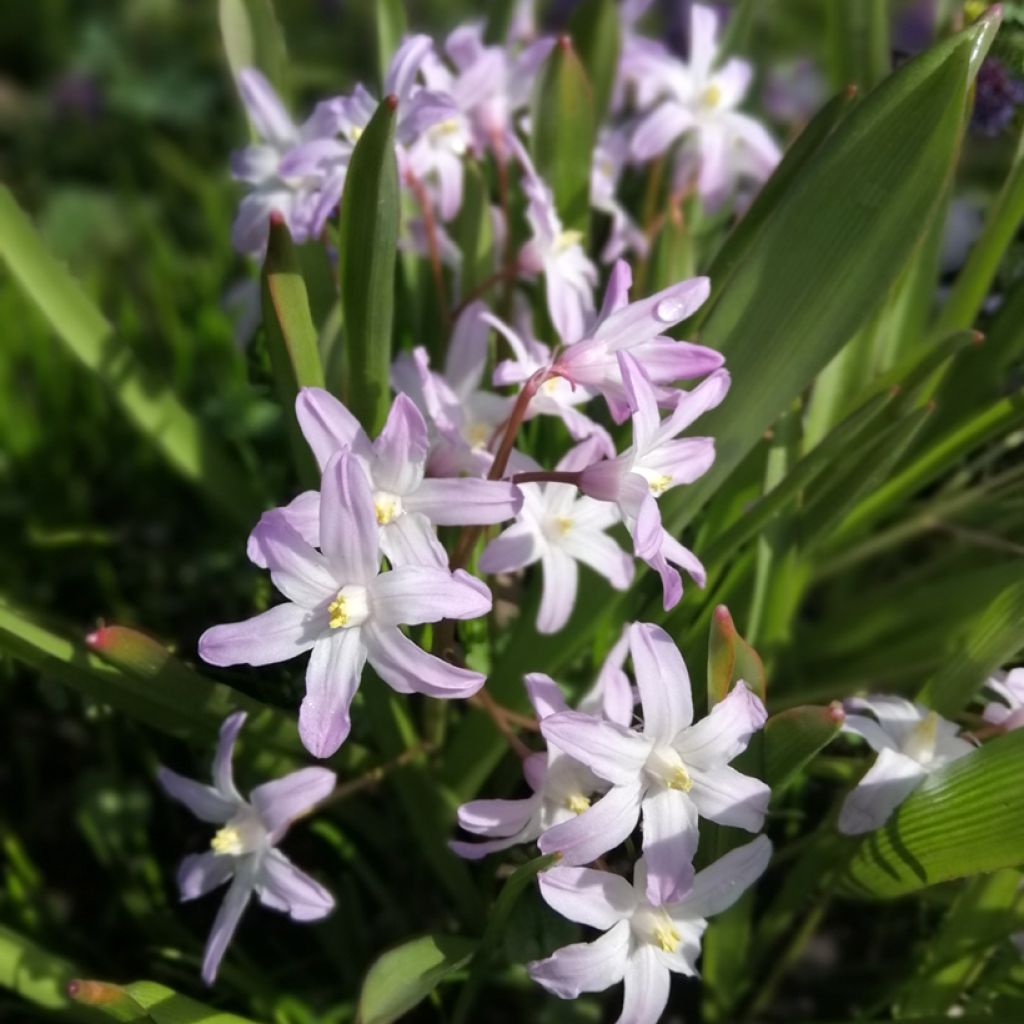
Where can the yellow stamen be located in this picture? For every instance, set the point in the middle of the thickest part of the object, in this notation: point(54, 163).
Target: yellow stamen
point(666, 936)
point(567, 239)
point(564, 524)
point(338, 614)
point(577, 803)
point(681, 780)
point(227, 840)
point(386, 509)
point(711, 96)
point(355, 133)
point(660, 484)
point(449, 127)
point(478, 434)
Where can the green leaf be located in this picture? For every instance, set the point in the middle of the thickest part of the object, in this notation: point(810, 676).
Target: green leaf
point(858, 32)
point(793, 737)
point(966, 819)
point(474, 230)
point(403, 977)
point(827, 254)
point(37, 976)
point(368, 243)
point(391, 27)
point(252, 38)
point(990, 639)
point(731, 658)
point(594, 27)
point(146, 1002)
point(190, 448)
point(493, 934)
point(564, 133)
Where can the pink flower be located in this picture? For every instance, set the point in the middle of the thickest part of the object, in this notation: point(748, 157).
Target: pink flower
point(346, 612)
point(244, 849)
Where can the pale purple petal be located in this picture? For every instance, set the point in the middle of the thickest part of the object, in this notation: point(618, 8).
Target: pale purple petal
point(663, 682)
point(225, 923)
point(281, 633)
point(254, 164)
point(280, 801)
point(332, 678)
point(646, 989)
point(307, 158)
point(467, 351)
point(401, 448)
point(265, 110)
point(716, 175)
point(762, 150)
point(282, 886)
point(223, 775)
point(602, 554)
point(405, 65)
point(615, 753)
point(412, 540)
point(730, 798)
point(612, 693)
point(598, 829)
point(885, 785)
point(670, 841)
point(659, 129)
point(597, 899)
point(466, 502)
point(545, 694)
point(667, 361)
point(585, 966)
point(327, 425)
point(413, 594)
point(516, 547)
point(642, 401)
point(297, 569)
point(642, 321)
point(692, 404)
point(558, 593)
point(732, 80)
point(349, 534)
point(682, 461)
point(703, 40)
point(498, 819)
point(205, 802)
point(868, 729)
point(200, 873)
point(302, 514)
point(407, 668)
point(719, 886)
point(479, 850)
point(616, 295)
point(897, 716)
point(725, 733)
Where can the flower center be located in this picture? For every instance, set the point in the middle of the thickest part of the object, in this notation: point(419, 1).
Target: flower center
point(355, 133)
point(478, 434)
point(349, 608)
point(577, 803)
point(711, 96)
point(388, 507)
point(659, 483)
point(920, 743)
point(566, 240)
point(241, 835)
point(653, 925)
point(666, 766)
point(227, 840)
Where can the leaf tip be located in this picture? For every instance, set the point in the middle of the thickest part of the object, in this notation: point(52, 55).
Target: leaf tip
point(977, 337)
point(276, 219)
point(836, 712)
point(851, 90)
point(565, 42)
point(724, 620)
point(391, 102)
point(92, 993)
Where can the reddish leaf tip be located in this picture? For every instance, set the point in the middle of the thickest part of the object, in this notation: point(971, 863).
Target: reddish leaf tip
point(73, 988)
point(391, 102)
point(565, 42)
point(977, 337)
point(722, 617)
point(836, 712)
point(276, 219)
point(851, 90)
point(97, 639)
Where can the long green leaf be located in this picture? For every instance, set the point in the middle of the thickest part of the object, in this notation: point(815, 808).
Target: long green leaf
point(146, 1002)
point(966, 819)
point(252, 38)
point(595, 31)
point(794, 736)
point(37, 976)
point(368, 243)
point(193, 450)
point(403, 977)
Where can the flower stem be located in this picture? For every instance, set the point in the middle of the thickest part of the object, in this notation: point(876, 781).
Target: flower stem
point(433, 248)
point(545, 476)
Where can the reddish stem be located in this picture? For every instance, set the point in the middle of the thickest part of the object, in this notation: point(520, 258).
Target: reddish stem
point(546, 476)
point(433, 247)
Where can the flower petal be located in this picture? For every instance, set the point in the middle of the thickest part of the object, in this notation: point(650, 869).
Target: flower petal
point(408, 668)
point(730, 798)
point(597, 899)
point(601, 553)
point(413, 594)
point(647, 983)
point(720, 885)
point(498, 819)
point(278, 634)
point(282, 886)
point(659, 129)
point(558, 595)
point(545, 694)
point(200, 873)
point(223, 776)
point(662, 680)
point(598, 829)
point(281, 801)
point(332, 678)
point(225, 923)
point(642, 401)
point(725, 733)
point(302, 514)
point(465, 501)
point(265, 110)
point(412, 540)
point(349, 534)
point(615, 753)
point(297, 569)
point(885, 785)
point(516, 547)
point(205, 802)
point(401, 448)
point(670, 841)
point(585, 966)
point(327, 425)
point(647, 319)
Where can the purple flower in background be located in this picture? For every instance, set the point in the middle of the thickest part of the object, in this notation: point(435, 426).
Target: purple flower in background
point(794, 91)
point(644, 941)
point(699, 105)
point(911, 741)
point(638, 328)
point(610, 157)
point(559, 527)
point(346, 612)
point(612, 694)
point(997, 95)
point(408, 507)
point(244, 849)
point(1008, 711)
point(657, 461)
point(562, 788)
point(670, 773)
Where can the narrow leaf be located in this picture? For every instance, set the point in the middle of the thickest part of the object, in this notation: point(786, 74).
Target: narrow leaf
point(793, 737)
point(594, 27)
point(146, 1002)
point(391, 26)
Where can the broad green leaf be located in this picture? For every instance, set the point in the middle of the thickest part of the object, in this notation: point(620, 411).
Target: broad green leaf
point(828, 253)
point(564, 134)
point(991, 639)
point(673, 255)
point(147, 1002)
point(731, 658)
point(858, 35)
point(794, 736)
point(403, 977)
point(391, 27)
point(252, 38)
point(495, 930)
point(368, 243)
point(37, 976)
point(192, 449)
point(966, 819)
point(594, 27)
